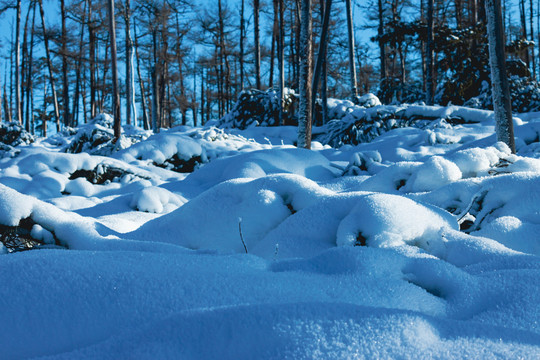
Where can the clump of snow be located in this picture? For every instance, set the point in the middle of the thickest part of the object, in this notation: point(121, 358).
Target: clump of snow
point(434, 173)
point(368, 100)
point(156, 200)
point(41, 234)
point(388, 220)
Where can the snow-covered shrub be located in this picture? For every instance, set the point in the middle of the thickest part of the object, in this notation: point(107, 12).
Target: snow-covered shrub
point(14, 134)
point(368, 100)
point(97, 137)
point(259, 108)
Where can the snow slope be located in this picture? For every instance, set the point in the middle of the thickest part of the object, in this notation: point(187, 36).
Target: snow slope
point(419, 244)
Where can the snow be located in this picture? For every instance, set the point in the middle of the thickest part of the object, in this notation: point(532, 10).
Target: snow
point(419, 243)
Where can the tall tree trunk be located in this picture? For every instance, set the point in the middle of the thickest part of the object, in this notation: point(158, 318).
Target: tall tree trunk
point(92, 60)
point(533, 57)
point(430, 88)
point(117, 127)
point(242, 36)
point(324, 75)
point(523, 17)
point(17, 63)
point(202, 95)
point(49, 65)
point(65, 83)
point(78, 68)
point(459, 13)
point(146, 121)
point(320, 55)
point(155, 88)
point(281, 61)
point(304, 116)
point(499, 80)
point(29, 75)
point(130, 99)
point(257, 45)
point(350, 32)
point(380, 32)
point(274, 42)
point(24, 73)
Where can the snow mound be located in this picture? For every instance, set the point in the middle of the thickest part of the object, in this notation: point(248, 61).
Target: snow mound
point(156, 200)
point(383, 220)
point(232, 211)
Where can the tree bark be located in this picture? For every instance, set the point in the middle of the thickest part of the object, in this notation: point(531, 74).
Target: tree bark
point(130, 98)
point(429, 55)
point(321, 54)
point(380, 32)
point(242, 36)
point(92, 60)
point(65, 83)
point(117, 127)
point(49, 65)
point(304, 117)
point(257, 45)
point(146, 122)
point(499, 81)
point(281, 61)
point(350, 32)
point(17, 63)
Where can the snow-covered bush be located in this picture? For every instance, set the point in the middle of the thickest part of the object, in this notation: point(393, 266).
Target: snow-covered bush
point(13, 134)
point(97, 137)
point(260, 108)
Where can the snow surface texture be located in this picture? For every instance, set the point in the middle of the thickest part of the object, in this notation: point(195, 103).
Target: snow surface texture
point(419, 244)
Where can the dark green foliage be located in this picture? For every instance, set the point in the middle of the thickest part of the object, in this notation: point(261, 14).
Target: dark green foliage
point(255, 107)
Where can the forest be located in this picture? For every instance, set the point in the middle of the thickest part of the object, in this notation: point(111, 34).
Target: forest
point(187, 62)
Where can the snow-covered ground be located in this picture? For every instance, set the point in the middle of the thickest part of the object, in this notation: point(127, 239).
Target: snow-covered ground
point(422, 243)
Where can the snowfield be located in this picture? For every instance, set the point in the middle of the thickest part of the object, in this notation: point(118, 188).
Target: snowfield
point(422, 242)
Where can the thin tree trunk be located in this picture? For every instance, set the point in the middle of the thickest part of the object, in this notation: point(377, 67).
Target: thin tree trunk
point(17, 63)
point(499, 80)
point(320, 55)
point(274, 41)
point(92, 59)
point(65, 83)
point(49, 65)
point(533, 57)
point(242, 35)
point(304, 117)
point(523, 17)
point(146, 122)
point(117, 127)
point(324, 76)
point(155, 104)
point(129, 64)
point(75, 106)
point(281, 61)
point(350, 32)
point(380, 32)
point(24, 73)
point(257, 45)
point(29, 76)
point(429, 55)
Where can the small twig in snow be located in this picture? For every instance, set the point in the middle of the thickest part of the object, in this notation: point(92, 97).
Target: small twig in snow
point(241, 236)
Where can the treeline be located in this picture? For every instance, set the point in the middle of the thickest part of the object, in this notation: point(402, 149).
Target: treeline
point(185, 61)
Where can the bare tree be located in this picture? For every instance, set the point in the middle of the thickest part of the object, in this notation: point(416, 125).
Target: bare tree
point(49, 65)
point(350, 33)
point(116, 96)
point(257, 44)
point(17, 63)
point(304, 116)
point(429, 55)
point(499, 80)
